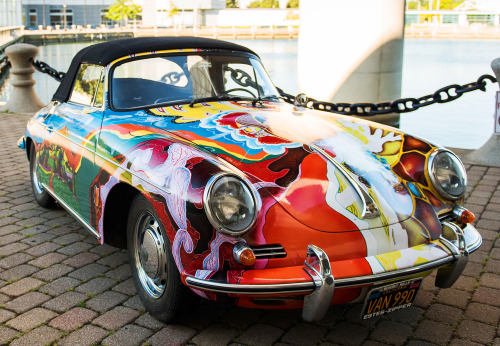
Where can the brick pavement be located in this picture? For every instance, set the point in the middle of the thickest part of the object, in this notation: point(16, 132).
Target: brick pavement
point(57, 285)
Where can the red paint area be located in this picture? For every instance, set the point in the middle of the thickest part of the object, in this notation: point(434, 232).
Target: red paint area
point(306, 201)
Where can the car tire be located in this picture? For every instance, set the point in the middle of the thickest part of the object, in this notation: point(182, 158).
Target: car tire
point(42, 197)
point(154, 271)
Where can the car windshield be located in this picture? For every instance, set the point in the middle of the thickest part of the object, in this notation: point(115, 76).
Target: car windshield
point(190, 78)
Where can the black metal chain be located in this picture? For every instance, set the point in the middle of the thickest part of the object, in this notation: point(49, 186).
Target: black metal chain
point(404, 105)
point(45, 68)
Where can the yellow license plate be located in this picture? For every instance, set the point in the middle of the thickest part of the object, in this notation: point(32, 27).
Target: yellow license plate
point(393, 297)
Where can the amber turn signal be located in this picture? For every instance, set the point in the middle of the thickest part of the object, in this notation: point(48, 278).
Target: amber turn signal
point(467, 217)
point(244, 255)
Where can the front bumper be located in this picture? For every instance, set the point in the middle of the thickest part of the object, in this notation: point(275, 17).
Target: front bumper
point(318, 279)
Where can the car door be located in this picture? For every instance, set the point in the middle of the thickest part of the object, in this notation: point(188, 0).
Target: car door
point(74, 128)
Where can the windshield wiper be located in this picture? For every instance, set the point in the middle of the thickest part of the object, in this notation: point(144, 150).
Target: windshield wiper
point(217, 98)
point(265, 98)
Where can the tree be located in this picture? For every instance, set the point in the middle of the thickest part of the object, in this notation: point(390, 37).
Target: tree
point(293, 4)
point(264, 4)
point(232, 4)
point(123, 10)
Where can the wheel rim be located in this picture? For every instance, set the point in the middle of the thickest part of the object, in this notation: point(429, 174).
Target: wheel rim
point(150, 255)
point(36, 182)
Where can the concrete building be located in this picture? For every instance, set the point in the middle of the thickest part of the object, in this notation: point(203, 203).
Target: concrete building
point(65, 13)
point(191, 12)
point(10, 13)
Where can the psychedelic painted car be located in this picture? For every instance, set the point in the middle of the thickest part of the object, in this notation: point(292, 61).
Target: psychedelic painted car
point(182, 151)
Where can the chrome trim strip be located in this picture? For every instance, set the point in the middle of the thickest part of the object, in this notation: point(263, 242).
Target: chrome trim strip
point(369, 206)
point(302, 287)
point(72, 212)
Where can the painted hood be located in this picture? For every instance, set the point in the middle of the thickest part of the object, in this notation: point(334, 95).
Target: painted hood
point(322, 168)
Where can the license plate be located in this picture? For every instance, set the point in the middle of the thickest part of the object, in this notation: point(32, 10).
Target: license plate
point(393, 297)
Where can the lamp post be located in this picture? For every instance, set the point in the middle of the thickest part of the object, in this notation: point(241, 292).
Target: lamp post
point(64, 16)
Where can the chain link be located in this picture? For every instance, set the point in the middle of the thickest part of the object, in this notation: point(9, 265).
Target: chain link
point(404, 105)
point(45, 68)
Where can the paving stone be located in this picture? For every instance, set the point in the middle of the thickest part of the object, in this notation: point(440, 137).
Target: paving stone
point(465, 283)
point(69, 238)
point(478, 257)
point(59, 286)
point(18, 272)
point(172, 334)
point(65, 301)
point(12, 248)
point(392, 332)
point(473, 269)
point(105, 301)
point(73, 319)
point(6, 315)
point(444, 313)
point(215, 334)
point(485, 295)
point(38, 239)
point(96, 285)
point(41, 336)
point(434, 332)
point(81, 259)
point(9, 229)
point(14, 260)
point(136, 303)
point(10, 238)
point(74, 248)
point(104, 250)
point(148, 321)
point(60, 221)
point(461, 342)
point(116, 318)
point(32, 221)
point(488, 224)
point(34, 230)
point(31, 319)
point(493, 266)
point(53, 272)
point(346, 333)
point(114, 260)
point(27, 301)
point(42, 249)
point(301, 334)
point(483, 313)
point(453, 297)
point(21, 287)
point(127, 287)
point(89, 271)
point(120, 273)
point(47, 260)
point(85, 336)
point(476, 331)
point(7, 334)
point(490, 280)
point(241, 317)
point(423, 299)
point(4, 298)
point(128, 335)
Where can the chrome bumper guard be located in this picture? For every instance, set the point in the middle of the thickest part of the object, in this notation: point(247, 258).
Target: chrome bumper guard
point(317, 265)
point(453, 238)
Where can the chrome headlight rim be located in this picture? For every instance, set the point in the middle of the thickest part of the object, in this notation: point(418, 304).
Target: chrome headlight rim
point(208, 210)
point(435, 182)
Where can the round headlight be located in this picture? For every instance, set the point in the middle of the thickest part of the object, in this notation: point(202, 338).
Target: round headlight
point(448, 174)
point(230, 204)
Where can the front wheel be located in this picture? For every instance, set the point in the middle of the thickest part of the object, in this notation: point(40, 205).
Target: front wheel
point(42, 197)
point(153, 268)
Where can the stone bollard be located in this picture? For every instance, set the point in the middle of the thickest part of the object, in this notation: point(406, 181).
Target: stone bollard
point(489, 153)
point(23, 98)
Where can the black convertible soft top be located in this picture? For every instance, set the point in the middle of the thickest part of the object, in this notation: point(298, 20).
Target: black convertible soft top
point(106, 52)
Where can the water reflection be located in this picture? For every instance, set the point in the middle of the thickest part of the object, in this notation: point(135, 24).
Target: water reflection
point(427, 66)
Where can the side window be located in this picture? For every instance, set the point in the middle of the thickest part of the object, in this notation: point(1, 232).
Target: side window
point(87, 85)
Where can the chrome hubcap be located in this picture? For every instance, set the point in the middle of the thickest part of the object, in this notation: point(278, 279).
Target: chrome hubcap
point(150, 255)
point(36, 181)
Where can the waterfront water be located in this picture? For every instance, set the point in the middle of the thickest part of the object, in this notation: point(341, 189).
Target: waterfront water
point(427, 65)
